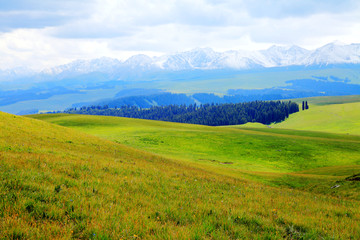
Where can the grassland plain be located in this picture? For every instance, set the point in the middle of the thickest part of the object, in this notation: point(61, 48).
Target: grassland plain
point(273, 156)
point(60, 183)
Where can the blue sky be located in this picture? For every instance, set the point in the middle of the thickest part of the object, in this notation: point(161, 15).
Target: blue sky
point(40, 34)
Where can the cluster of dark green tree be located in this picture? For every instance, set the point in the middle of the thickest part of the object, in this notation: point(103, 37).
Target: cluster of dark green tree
point(305, 105)
point(265, 112)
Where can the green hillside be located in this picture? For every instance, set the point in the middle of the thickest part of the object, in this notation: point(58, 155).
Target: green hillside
point(271, 156)
point(328, 100)
point(245, 149)
point(249, 125)
point(327, 114)
point(60, 183)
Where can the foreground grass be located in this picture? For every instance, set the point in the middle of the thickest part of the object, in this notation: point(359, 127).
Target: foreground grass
point(63, 184)
point(276, 157)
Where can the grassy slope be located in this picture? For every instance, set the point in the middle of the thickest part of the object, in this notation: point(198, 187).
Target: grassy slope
point(329, 100)
point(268, 155)
point(246, 149)
point(249, 125)
point(61, 183)
point(330, 114)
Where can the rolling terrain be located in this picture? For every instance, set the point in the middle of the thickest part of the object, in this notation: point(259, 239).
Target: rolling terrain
point(99, 177)
point(275, 157)
point(61, 183)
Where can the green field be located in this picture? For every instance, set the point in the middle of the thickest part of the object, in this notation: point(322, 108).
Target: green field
point(61, 183)
point(97, 177)
point(327, 114)
point(271, 156)
point(246, 149)
point(338, 114)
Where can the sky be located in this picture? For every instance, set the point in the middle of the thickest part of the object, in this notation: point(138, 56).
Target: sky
point(39, 34)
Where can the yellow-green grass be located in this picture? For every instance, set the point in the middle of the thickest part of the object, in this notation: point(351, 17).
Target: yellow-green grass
point(334, 114)
point(247, 149)
point(249, 125)
point(336, 118)
point(272, 156)
point(272, 151)
point(60, 183)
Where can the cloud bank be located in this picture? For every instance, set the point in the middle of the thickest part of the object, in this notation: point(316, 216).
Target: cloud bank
point(39, 34)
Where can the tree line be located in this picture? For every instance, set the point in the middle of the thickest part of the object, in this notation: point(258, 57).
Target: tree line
point(265, 112)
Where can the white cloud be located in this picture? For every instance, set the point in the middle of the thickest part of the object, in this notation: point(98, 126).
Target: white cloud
point(297, 8)
point(312, 31)
point(32, 48)
point(16, 14)
point(45, 33)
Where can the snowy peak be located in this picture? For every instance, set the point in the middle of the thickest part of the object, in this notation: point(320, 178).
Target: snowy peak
point(199, 58)
point(207, 58)
point(333, 53)
point(240, 60)
point(284, 56)
point(139, 62)
point(103, 64)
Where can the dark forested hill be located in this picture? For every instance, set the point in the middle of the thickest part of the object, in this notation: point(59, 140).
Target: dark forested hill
point(207, 114)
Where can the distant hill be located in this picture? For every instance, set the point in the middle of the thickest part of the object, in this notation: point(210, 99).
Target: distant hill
point(265, 112)
point(146, 98)
point(333, 114)
point(326, 114)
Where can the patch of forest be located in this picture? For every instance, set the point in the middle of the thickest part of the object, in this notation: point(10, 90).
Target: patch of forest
point(265, 112)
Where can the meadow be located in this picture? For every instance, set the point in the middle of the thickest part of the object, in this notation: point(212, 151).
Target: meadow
point(271, 156)
point(327, 114)
point(99, 177)
point(61, 183)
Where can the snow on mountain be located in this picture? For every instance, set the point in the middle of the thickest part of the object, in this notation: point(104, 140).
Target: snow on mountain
point(140, 61)
point(240, 60)
point(206, 58)
point(333, 53)
point(11, 74)
point(199, 58)
point(103, 64)
point(284, 56)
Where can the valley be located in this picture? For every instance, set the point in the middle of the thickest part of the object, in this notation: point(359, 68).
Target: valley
point(270, 155)
point(59, 182)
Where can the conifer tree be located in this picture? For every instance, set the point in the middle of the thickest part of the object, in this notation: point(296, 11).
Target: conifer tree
point(207, 114)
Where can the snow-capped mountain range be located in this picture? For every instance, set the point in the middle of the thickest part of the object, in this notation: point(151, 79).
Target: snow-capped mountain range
point(88, 81)
point(206, 59)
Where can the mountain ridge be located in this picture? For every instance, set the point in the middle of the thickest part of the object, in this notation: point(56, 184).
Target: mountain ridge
point(208, 59)
point(201, 70)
